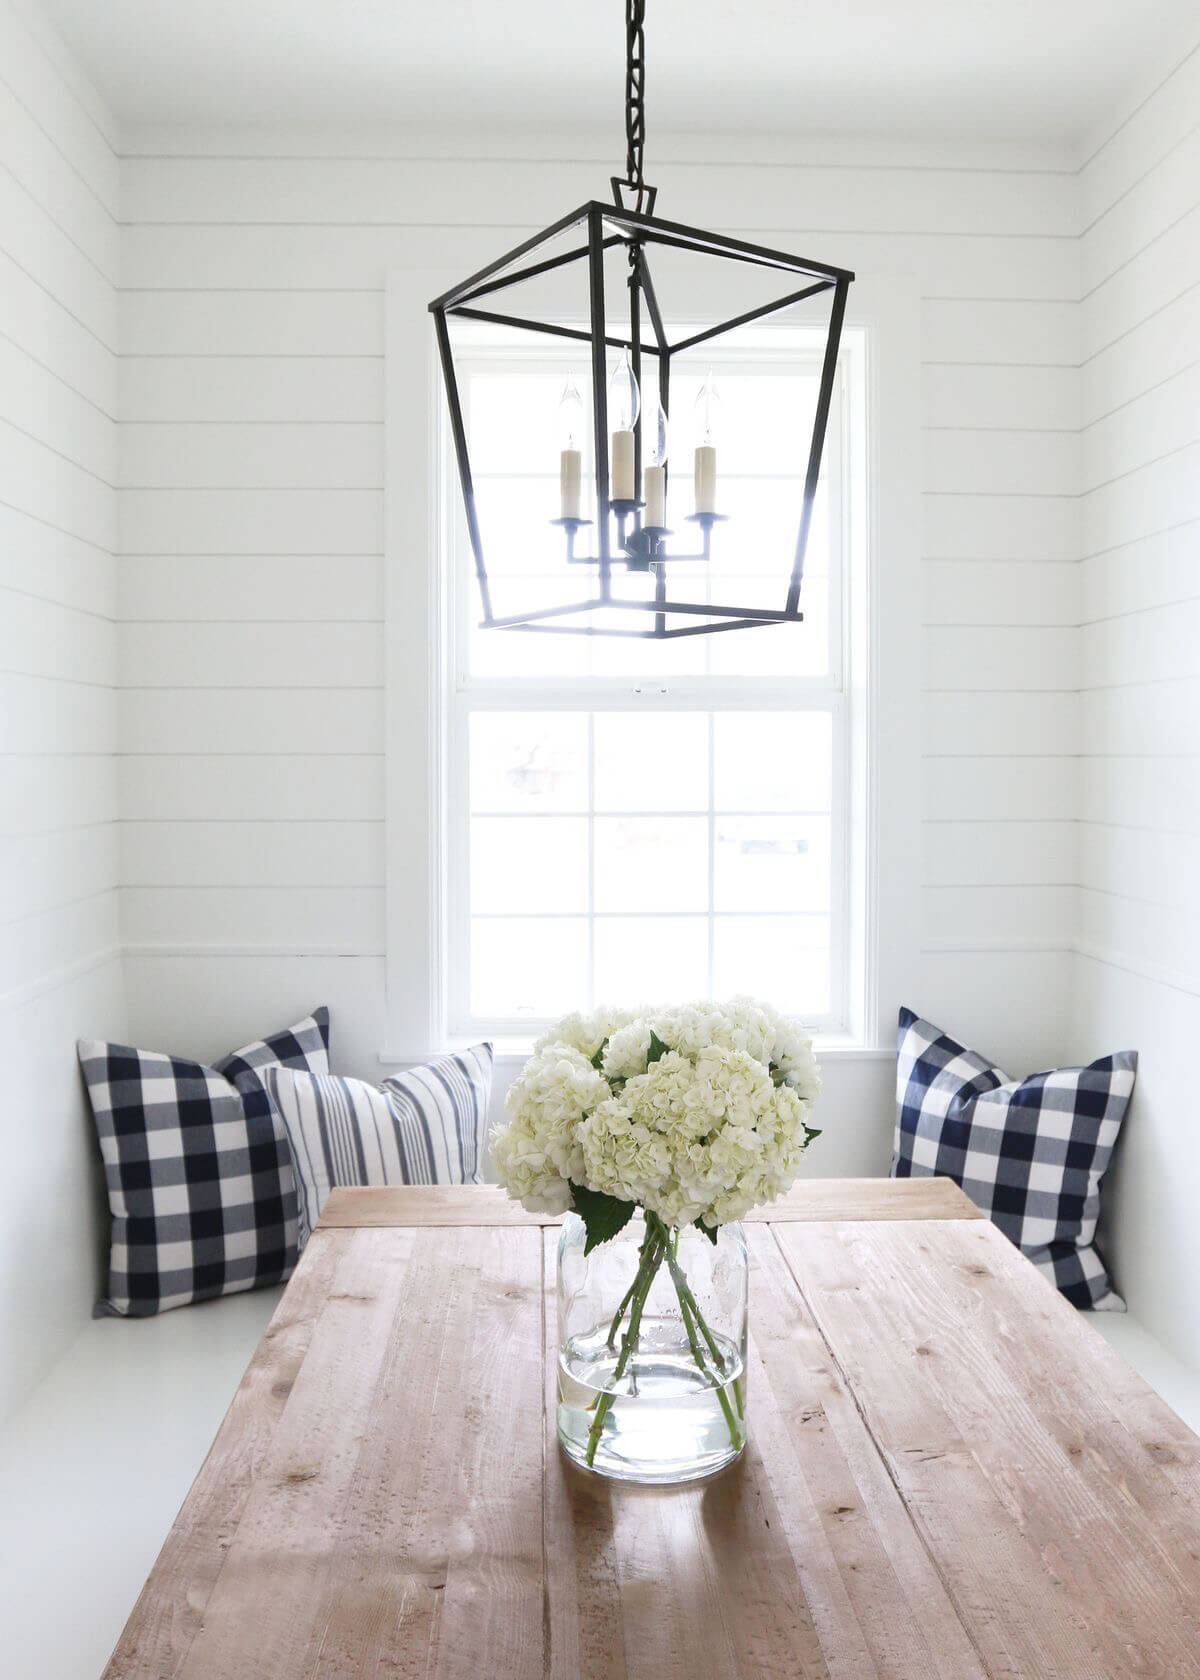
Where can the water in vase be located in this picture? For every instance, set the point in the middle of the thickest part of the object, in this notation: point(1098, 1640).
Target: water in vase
point(669, 1420)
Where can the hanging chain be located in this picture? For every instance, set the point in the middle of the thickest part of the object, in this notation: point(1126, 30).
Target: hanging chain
point(641, 195)
point(635, 91)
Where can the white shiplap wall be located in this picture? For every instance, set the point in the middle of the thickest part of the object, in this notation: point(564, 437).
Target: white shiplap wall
point(59, 965)
point(1138, 971)
point(252, 468)
point(246, 621)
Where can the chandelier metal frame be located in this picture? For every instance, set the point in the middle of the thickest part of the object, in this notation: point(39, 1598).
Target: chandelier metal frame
point(637, 547)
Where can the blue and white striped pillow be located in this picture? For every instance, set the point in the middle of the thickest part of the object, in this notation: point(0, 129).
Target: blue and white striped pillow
point(425, 1126)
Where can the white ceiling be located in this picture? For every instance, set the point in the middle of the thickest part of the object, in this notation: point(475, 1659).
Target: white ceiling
point(1036, 69)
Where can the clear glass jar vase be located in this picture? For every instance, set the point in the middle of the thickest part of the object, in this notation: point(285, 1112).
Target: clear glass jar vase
point(652, 1350)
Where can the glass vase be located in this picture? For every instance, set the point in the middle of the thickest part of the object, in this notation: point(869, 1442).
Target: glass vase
point(652, 1350)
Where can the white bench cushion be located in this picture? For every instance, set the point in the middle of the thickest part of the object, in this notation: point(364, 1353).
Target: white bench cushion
point(94, 1467)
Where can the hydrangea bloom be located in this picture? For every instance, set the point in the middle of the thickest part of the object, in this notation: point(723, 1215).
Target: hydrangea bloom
point(538, 1153)
point(586, 1033)
point(697, 1112)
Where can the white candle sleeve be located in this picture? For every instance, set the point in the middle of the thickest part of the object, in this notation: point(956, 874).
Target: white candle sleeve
point(622, 467)
point(656, 496)
point(570, 477)
point(706, 478)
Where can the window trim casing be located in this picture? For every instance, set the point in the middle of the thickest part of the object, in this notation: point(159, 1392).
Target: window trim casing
point(886, 310)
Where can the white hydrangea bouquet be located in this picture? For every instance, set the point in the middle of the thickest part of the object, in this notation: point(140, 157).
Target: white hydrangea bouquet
point(694, 1115)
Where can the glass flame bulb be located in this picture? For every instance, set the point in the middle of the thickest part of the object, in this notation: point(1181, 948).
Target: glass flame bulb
point(624, 398)
point(707, 410)
point(571, 416)
point(657, 440)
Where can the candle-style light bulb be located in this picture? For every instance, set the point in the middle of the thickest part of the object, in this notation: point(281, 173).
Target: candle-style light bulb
point(656, 444)
point(624, 397)
point(571, 425)
point(571, 416)
point(624, 406)
point(657, 439)
point(706, 409)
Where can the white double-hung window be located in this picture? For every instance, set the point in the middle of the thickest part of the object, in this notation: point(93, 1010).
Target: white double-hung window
point(629, 820)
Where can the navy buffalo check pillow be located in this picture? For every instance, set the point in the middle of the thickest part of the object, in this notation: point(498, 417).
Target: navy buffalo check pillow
point(200, 1179)
point(1030, 1153)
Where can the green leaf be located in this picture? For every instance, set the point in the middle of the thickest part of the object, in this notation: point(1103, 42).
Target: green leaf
point(598, 1058)
point(811, 1132)
point(657, 1048)
point(712, 1232)
point(604, 1216)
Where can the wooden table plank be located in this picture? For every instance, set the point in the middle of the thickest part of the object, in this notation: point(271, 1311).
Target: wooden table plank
point(949, 1476)
point(1029, 1482)
point(372, 1535)
point(888, 1612)
point(813, 1199)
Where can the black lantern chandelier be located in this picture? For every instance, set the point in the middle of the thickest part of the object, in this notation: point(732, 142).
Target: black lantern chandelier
point(630, 445)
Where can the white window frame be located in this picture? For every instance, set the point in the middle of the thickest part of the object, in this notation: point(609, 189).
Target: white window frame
point(827, 694)
point(883, 623)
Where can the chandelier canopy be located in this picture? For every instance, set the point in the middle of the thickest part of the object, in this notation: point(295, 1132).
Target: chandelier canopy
point(626, 339)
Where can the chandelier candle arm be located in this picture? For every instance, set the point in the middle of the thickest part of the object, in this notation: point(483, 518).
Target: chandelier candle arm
point(708, 404)
point(571, 428)
point(624, 409)
point(655, 479)
point(570, 480)
point(623, 489)
point(705, 478)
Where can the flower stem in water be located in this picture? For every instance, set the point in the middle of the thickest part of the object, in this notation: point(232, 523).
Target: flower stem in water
point(620, 1312)
point(653, 1250)
point(693, 1318)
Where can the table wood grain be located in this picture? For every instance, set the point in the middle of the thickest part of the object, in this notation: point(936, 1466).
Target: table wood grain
point(815, 1199)
point(949, 1474)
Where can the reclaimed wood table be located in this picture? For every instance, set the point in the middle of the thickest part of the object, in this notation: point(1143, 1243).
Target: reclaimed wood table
point(949, 1473)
